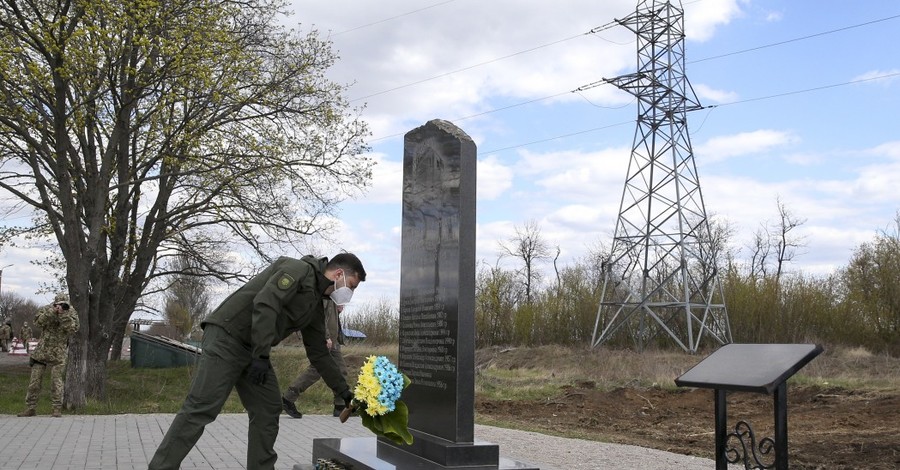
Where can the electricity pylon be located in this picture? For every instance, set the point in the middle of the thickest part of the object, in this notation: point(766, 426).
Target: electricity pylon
point(661, 274)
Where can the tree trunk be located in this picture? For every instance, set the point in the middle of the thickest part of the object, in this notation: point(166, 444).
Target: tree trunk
point(115, 353)
point(86, 371)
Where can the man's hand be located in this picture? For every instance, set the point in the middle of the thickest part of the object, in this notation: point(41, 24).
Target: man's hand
point(259, 370)
point(328, 343)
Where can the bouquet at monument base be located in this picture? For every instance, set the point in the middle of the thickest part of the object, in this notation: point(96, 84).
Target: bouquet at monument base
point(377, 399)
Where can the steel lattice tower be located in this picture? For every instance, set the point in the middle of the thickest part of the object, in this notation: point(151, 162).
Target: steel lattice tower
point(661, 273)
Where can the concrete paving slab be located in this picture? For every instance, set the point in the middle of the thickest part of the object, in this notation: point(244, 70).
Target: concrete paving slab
point(121, 442)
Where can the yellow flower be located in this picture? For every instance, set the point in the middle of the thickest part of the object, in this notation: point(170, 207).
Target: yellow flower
point(368, 388)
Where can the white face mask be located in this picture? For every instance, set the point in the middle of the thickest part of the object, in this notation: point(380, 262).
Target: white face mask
point(342, 295)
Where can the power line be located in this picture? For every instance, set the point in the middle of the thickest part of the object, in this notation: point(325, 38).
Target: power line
point(604, 28)
point(577, 90)
point(761, 98)
point(393, 17)
point(495, 110)
point(563, 136)
point(807, 90)
point(467, 68)
point(778, 95)
point(796, 39)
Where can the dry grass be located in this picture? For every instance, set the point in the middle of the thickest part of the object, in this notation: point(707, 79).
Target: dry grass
point(508, 373)
point(499, 369)
point(852, 367)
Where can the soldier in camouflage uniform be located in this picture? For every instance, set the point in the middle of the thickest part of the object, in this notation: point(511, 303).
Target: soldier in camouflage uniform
point(58, 321)
point(5, 336)
point(26, 335)
point(238, 336)
point(310, 376)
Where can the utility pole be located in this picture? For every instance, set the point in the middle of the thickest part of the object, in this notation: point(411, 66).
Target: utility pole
point(661, 276)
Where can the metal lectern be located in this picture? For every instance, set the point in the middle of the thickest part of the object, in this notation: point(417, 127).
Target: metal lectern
point(759, 368)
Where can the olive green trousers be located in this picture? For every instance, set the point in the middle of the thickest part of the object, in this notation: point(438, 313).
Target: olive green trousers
point(223, 366)
point(311, 375)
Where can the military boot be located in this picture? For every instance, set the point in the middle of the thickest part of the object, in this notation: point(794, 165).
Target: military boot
point(290, 408)
point(57, 412)
point(28, 412)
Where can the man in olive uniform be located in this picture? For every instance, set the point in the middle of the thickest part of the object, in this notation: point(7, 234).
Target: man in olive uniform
point(311, 375)
point(26, 335)
point(237, 337)
point(5, 336)
point(58, 321)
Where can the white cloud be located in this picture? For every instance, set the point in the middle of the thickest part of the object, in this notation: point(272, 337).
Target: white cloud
point(744, 143)
point(494, 178)
point(445, 61)
point(890, 149)
point(881, 77)
point(387, 181)
point(706, 93)
point(774, 16)
point(877, 182)
point(702, 18)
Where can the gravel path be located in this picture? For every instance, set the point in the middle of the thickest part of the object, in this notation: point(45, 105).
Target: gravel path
point(559, 453)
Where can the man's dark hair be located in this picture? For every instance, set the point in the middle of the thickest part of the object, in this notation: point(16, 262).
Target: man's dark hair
point(347, 262)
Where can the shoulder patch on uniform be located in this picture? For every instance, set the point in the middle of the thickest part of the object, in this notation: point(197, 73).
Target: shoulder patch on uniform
point(285, 281)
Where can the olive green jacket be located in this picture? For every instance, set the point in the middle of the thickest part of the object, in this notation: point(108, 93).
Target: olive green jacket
point(284, 298)
point(56, 329)
point(333, 326)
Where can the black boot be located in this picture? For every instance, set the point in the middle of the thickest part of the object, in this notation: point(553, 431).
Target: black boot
point(290, 409)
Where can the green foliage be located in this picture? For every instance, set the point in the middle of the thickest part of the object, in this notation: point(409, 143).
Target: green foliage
point(872, 283)
point(793, 310)
point(561, 314)
point(496, 296)
point(393, 425)
point(179, 318)
point(141, 130)
point(858, 306)
point(187, 296)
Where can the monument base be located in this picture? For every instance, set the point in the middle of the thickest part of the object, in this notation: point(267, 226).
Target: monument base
point(368, 453)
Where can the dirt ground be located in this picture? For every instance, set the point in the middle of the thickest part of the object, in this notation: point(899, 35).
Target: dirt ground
point(828, 428)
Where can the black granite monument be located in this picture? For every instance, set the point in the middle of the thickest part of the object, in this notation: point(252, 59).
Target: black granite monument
point(437, 315)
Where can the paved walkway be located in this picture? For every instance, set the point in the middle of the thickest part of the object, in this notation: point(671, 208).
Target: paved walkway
point(122, 442)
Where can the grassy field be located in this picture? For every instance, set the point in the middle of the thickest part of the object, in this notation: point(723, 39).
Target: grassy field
point(501, 373)
point(143, 390)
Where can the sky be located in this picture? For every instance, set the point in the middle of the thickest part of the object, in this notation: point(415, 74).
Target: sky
point(801, 104)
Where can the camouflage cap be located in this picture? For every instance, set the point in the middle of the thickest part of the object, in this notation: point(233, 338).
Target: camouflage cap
point(61, 299)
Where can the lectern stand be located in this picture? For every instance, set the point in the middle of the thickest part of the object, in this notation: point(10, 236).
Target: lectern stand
point(759, 368)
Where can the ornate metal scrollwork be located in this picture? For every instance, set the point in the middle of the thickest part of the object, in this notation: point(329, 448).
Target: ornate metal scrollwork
point(330, 464)
point(748, 451)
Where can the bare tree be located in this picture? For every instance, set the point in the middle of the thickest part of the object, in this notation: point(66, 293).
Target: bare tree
point(596, 261)
point(528, 246)
point(786, 243)
point(17, 310)
point(759, 253)
point(556, 269)
point(135, 131)
point(187, 297)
